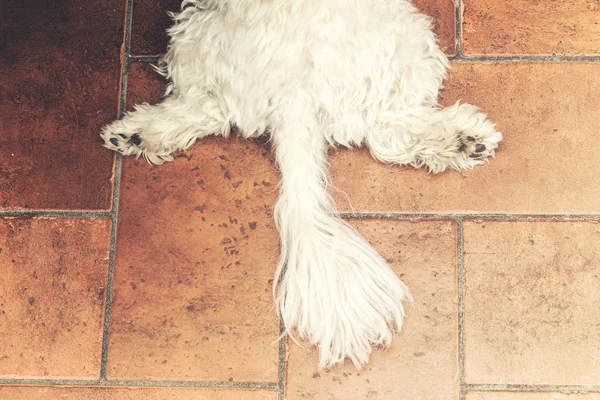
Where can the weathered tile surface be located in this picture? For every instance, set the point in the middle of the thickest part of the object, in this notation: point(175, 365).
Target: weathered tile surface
point(532, 304)
point(569, 27)
point(196, 254)
point(126, 393)
point(52, 297)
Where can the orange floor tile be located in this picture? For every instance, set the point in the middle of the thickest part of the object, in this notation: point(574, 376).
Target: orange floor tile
point(125, 281)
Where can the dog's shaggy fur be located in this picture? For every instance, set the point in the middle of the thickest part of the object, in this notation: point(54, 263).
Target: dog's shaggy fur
point(314, 74)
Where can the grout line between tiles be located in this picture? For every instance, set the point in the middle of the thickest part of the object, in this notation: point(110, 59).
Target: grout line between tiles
point(458, 42)
point(532, 388)
point(345, 215)
point(461, 307)
point(282, 364)
point(473, 217)
point(361, 215)
point(525, 58)
point(144, 59)
point(275, 385)
point(116, 193)
point(139, 383)
point(54, 214)
point(111, 268)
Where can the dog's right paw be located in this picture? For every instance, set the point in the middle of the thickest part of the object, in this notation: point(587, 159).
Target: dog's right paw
point(478, 137)
point(481, 144)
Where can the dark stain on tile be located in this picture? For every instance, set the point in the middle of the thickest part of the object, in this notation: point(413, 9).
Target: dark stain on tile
point(60, 66)
point(150, 21)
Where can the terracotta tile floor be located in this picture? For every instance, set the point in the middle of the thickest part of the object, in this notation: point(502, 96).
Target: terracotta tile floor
point(126, 281)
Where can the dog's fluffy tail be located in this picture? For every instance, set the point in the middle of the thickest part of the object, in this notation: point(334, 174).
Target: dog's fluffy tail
point(331, 287)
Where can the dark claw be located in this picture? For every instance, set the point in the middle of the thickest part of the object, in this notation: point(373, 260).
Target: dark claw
point(480, 148)
point(114, 141)
point(136, 139)
point(470, 139)
point(123, 135)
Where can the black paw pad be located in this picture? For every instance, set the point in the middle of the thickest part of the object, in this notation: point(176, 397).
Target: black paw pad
point(136, 139)
point(114, 141)
point(480, 148)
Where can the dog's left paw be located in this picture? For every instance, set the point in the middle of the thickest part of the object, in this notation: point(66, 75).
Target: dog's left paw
point(122, 138)
point(126, 144)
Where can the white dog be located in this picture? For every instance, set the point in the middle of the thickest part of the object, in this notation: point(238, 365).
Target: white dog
point(314, 74)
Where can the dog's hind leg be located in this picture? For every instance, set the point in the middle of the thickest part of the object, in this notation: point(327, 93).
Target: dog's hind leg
point(457, 137)
point(156, 131)
point(331, 287)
